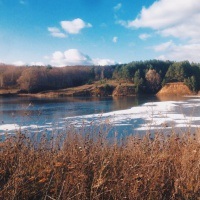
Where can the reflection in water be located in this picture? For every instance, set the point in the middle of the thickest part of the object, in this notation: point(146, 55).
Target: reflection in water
point(171, 98)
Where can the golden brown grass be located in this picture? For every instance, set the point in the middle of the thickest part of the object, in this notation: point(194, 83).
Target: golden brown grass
point(175, 89)
point(83, 90)
point(75, 166)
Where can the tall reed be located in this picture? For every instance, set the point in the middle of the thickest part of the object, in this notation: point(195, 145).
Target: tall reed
point(78, 166)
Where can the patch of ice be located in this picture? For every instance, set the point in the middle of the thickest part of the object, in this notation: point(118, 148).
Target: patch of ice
point(149, 116)
point(9, 127)
point(153, 115)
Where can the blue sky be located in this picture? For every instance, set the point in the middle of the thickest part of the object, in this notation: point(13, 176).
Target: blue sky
point(70, 32)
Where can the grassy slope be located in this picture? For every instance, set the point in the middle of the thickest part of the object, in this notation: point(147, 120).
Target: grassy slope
point(175, 89)
point(80, 90)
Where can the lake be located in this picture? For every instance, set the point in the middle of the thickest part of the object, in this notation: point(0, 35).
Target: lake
point(124, 115)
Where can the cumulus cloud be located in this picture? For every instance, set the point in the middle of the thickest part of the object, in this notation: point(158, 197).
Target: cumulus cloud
point(73, 57)
point(74, 26)
point(55, 32)
point(172, 18)
point(172, 51)
point(117, 7)
point(175, 18)
point(144, 36)
point(103, 62)
point(70, 57)
point(115, 39)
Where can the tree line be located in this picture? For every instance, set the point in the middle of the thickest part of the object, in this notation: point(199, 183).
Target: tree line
point(147, 76)
point(39, 78)
point(150, 76)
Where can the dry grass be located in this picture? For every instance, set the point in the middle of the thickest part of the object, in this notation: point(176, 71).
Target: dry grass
point(83, 90)
point(175, 89)
point(8, 91)
point(75, 166)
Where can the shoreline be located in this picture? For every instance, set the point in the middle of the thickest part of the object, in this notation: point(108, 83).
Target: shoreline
point(103, 89)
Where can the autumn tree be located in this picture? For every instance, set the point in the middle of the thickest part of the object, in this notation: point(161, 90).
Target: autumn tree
point(153, 80)
point(9, 75)
point(33, 79)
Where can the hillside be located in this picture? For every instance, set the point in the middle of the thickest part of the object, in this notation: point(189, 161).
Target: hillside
point(175, 89)
point(98, 88)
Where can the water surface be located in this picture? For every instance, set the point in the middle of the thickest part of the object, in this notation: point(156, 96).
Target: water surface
point(125, 114)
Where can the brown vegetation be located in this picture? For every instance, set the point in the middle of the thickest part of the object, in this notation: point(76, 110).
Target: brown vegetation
point(153, 80)
point(32, 79)
point(35, 79)
point(175, 89)
point(97, 88)
point(125, 90)
point(146, 77)
point(89, 166)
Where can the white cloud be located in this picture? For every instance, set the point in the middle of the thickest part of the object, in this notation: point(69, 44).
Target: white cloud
point(144, 36)
point(70, 57)
point(122, 23)
point(103, 62)
point(58, 55)
point(37, 64)
point(19, 63)
point(73, 57)
point(179, 52)
point(188, 30)
point(117, 7)
point(175, 18)
point(55, 32)
point(164, 46)
point(115, 39)
point(172, 18)
point(46, 57)
point(74, 26)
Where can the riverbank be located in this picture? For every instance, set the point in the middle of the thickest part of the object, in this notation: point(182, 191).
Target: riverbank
point(102, 89)
point(99, 89)
point(76, 166)
point(9, 92)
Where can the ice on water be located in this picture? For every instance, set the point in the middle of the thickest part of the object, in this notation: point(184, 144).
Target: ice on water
point(149, 116)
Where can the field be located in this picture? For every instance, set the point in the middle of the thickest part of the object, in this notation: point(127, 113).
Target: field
point(73, 165)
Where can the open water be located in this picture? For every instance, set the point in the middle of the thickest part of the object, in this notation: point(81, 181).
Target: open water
point(134, 115)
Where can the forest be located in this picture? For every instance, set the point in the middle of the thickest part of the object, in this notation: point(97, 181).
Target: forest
point(147, 76)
